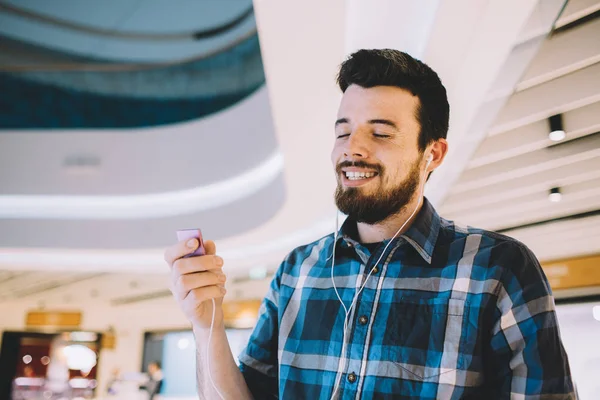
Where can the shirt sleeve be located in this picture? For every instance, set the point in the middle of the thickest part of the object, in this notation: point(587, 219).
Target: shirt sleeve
point(527, 358)
point(258, 361)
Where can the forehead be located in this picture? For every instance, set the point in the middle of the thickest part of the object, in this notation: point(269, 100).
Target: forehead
point(389, 102)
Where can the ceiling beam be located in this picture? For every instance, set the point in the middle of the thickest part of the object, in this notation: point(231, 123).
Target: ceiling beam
point(582, 149)
point(577, 9)
point(579, 172)
point(561, 95)
point(558, 55)
point(529, 138)
point(532, 208)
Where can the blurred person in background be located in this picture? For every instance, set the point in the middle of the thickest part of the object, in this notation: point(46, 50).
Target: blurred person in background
point(155, 382)
point(400, 302)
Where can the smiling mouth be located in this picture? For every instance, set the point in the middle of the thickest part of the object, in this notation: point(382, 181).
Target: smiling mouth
point(356, 176)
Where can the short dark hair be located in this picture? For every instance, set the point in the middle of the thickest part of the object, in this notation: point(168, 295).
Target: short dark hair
point(157, 363)
point(388, 67)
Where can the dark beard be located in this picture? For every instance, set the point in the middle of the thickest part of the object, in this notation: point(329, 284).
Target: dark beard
point(375, 208)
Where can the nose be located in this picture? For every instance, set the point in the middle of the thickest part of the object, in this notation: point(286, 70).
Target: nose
point(356, 146)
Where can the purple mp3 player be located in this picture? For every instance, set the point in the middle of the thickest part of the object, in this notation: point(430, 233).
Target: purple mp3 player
point(186, 234)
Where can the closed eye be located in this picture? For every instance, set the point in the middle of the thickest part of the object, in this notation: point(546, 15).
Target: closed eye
point(381, 136)
point(343, 135)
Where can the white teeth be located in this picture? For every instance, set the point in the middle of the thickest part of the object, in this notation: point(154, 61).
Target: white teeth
point(359, 175)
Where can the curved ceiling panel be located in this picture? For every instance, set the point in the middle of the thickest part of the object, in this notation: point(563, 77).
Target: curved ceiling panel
point(128, 30)
point(143, 165)
point(130, 96)
point(141, 161)
point(141, 206)
point(236, 69)
point(221, 222)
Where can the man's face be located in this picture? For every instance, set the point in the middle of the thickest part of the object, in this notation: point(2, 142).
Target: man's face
point(152, 368)
point(376, 156)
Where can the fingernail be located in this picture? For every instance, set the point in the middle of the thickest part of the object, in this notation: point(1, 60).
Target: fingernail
point(192, 243)
point(223, 290)
point(222, 277)
point(218, 261)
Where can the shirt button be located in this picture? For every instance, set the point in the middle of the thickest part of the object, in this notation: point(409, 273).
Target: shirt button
point(363, 319)
point(352, 377)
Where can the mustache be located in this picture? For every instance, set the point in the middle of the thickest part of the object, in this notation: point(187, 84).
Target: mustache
point(359, 164)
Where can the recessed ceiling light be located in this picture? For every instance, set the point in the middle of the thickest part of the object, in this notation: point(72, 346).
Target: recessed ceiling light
point(555, 196)
point(557, 136)
point(82, 164)
point(557, 132)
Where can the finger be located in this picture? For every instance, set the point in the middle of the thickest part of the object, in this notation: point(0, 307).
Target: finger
point(201, 295)
point(186, 283)
point(176, 279)
point(210, 247)
point(180, 249)
point(191, 265)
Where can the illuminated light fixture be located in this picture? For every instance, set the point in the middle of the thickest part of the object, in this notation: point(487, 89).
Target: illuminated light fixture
point(153, 205)
point(257, 273)
point(557, 133)
point(27, 359)
point(596, 313)
point(555, 196)
point(83, 336)
point(183, 343)
point(80, 357)
point(79, 383)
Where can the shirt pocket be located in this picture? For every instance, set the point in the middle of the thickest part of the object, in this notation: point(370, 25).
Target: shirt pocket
point(425, 338)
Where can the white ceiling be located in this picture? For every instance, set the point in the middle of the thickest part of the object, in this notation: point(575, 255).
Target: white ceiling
point(506, 182)
point(497, 176)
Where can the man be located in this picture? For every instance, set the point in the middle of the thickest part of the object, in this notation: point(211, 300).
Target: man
point(155, 382)
point(401, 303)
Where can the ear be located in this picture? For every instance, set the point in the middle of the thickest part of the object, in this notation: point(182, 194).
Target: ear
point(437, 153)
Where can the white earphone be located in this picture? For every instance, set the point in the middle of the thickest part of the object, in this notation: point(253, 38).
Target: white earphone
point(349, 309)
point(429, 160)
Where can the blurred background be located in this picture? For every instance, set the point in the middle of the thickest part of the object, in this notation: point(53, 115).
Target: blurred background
point(124, 121)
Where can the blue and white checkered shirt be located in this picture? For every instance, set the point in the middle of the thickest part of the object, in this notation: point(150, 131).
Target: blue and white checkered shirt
point(450, 313)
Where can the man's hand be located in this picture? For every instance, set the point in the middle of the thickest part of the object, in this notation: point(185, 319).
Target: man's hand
point(196, 280)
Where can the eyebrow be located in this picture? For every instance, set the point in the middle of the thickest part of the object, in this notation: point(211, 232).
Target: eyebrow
point(378, 121)
point(383, 122)
point(341, 121)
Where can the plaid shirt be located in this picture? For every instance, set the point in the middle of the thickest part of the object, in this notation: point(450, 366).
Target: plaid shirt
point(451, 312)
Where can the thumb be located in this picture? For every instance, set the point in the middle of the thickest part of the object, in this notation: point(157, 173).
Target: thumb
point(210, 247)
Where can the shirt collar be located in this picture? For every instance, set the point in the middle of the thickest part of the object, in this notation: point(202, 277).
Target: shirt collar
point(422, 233)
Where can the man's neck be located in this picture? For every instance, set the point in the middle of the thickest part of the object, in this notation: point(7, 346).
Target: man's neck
point(387, 229)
